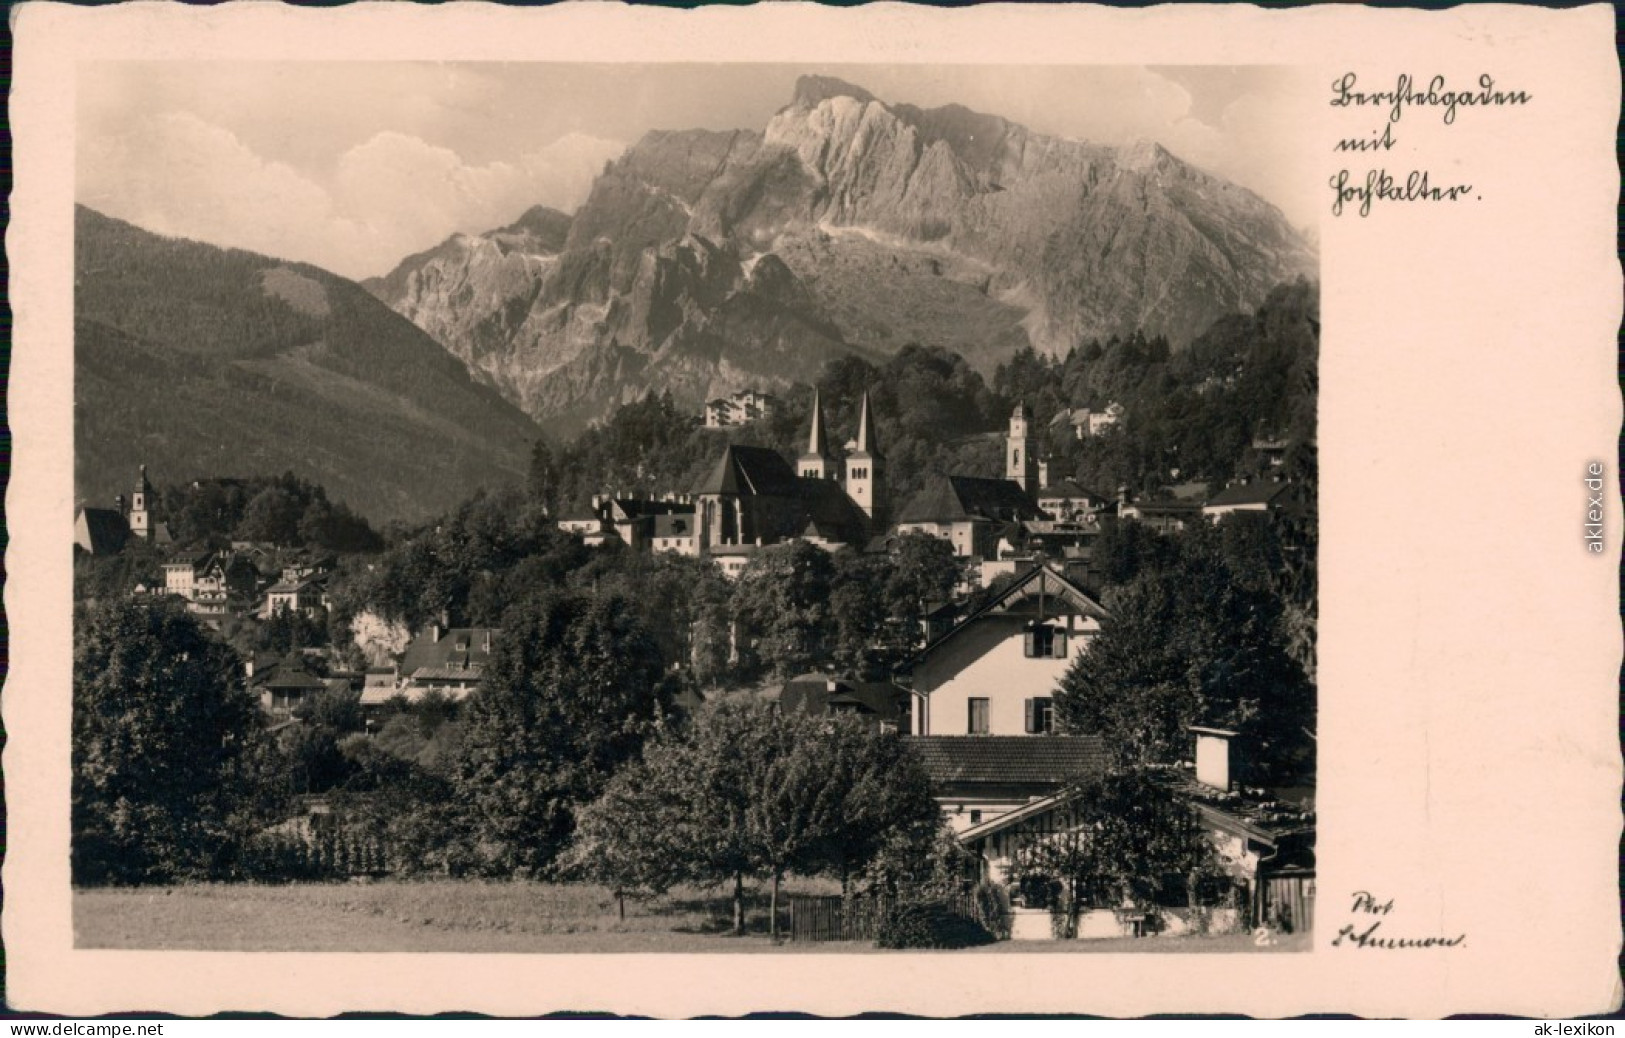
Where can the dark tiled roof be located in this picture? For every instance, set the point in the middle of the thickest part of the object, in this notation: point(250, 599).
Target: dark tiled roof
point(750, 471)
point(1178, 509)
point(1009, 759)
point(292, 678)
point(811, 694)
point(106, 530)
point(624, 508)
point(952, 498)
point(1258, 492)
point(459, 647)
point(1068, 489)
point(681, 525)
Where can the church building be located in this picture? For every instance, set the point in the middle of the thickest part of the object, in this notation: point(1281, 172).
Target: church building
point(754, 498)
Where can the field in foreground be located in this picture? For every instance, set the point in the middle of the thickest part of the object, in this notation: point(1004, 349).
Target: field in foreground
point(472, 916)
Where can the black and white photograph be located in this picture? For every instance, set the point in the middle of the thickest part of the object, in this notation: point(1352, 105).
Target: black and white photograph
point(607, 509)
point(563, 508)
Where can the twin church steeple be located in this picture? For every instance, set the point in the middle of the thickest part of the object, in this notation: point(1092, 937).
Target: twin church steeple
point(864, 463)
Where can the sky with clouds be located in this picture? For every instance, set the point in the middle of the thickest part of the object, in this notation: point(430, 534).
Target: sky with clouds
point(354, 165)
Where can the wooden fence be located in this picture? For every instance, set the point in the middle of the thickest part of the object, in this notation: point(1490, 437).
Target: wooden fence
point(834, 918)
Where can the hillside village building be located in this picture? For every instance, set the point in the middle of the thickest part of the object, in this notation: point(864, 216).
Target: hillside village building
point(880, 705)
point(741, 408)
point(449, 660)
point(1248, 495)
point(1086, 423)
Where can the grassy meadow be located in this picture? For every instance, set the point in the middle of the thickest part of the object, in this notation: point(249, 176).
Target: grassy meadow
point(479, 916)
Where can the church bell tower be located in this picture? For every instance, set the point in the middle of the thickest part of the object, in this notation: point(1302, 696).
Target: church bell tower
point(864, 464)
point(816, 462)
point(141, 507)
point(1020, 461)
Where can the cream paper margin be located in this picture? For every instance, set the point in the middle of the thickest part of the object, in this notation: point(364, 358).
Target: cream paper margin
point(1470, 767)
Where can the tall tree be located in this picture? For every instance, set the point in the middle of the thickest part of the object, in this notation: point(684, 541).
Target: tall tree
point(744, 791)
point(781, 604)
point(160, 724)
point(568, 697)
point(1190, 644)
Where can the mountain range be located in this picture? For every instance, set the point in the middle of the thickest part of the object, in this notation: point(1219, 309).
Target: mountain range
point(201, 362)
point(706, 261)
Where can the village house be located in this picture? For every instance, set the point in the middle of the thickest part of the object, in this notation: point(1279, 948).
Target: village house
point(1085, 422)
point(1066, 501)
point(881, 705)
point(674, 534)
point(741, 408)
point(1267, 495)
point(1166, 516)
point(213, 583)
point(379, 685)
point(1272, 449)
point(222, 583)
point(300, 597)
point(996, 671)
point(282, 685)
point(450, 661)
point(976, 781)
point(1263, 842)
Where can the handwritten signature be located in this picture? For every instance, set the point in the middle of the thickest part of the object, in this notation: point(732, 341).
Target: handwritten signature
point(1368, 904)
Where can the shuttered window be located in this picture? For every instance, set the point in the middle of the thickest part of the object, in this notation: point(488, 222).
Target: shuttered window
point(1040, 715)
point(976, 724)
point(1046, 642)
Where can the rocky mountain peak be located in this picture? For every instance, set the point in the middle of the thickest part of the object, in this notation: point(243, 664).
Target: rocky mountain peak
point(848, 224)
point(811, 91)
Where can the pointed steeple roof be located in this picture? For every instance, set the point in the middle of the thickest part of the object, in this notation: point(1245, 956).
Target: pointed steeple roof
point(817, 437)
point(867, 442)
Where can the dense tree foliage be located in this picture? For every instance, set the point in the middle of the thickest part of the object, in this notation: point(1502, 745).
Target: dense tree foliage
point(1198, 641)
point(160, 726)
point(570, 694)
point(1189, 416)
point(744, 791)
point(283, 510)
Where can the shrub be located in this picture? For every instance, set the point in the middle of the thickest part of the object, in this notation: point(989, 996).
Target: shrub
point(929, 924)
point(993, 909)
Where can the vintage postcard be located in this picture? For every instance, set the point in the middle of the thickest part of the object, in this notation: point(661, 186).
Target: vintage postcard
point(1004, 510)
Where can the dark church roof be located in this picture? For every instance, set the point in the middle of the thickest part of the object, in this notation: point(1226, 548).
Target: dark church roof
point(957, 498)
point(830, 513)
point(750, 471)
point(105, 529)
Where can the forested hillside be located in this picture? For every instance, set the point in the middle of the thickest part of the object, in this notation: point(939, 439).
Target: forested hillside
point(203, 362)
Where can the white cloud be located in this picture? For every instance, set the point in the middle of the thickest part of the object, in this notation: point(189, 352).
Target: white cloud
point(391, 195)
point(561, 174)
point(176, 174)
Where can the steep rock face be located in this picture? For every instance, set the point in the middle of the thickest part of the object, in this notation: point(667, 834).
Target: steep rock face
point(705, 261)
